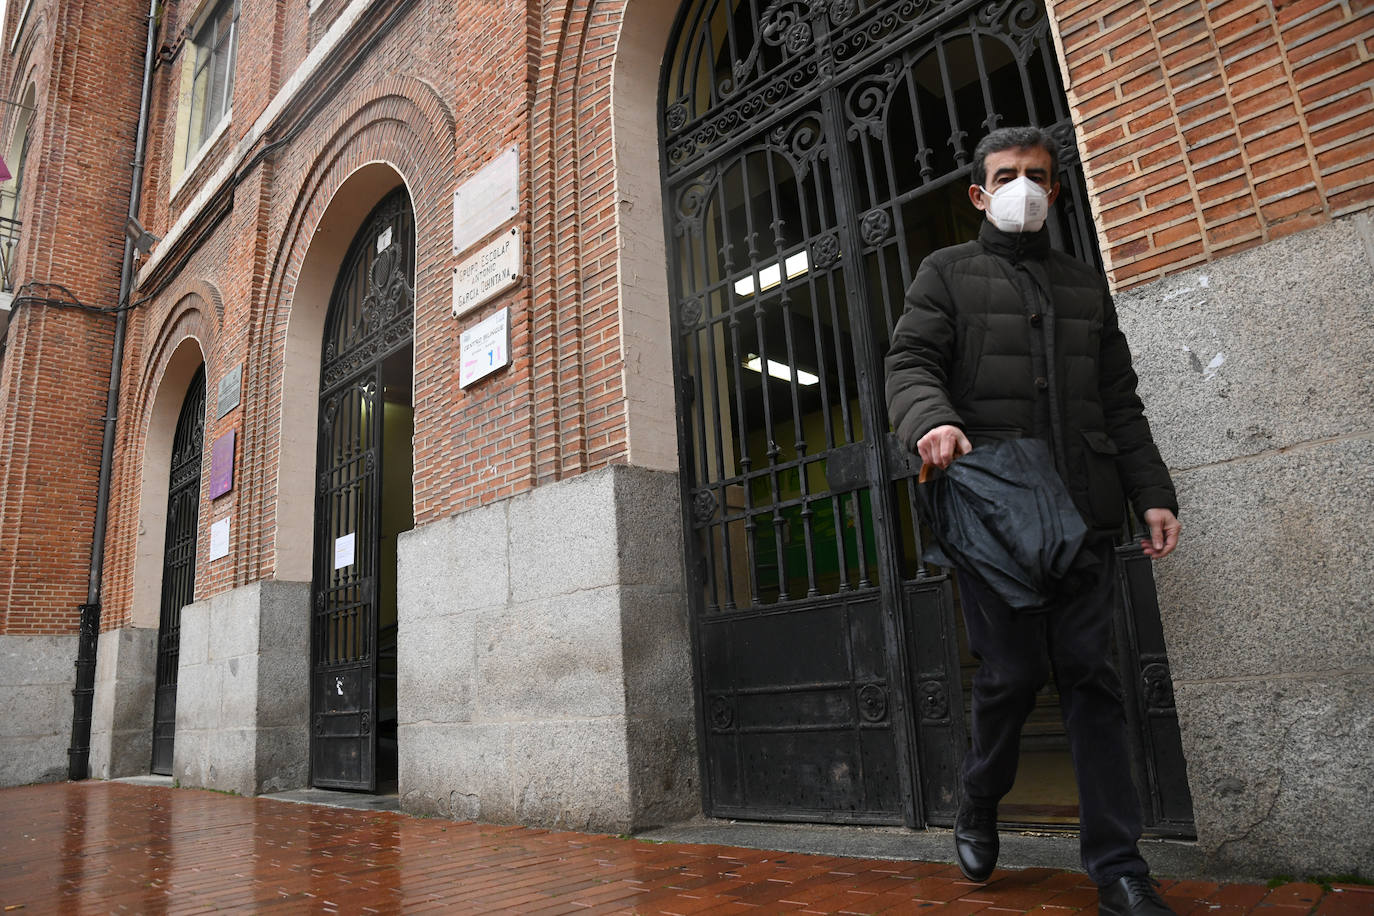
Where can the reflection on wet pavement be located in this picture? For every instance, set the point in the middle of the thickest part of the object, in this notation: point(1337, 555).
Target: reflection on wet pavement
point(98, 847)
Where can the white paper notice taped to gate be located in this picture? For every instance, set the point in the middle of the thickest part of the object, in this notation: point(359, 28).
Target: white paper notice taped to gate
point(343, 551)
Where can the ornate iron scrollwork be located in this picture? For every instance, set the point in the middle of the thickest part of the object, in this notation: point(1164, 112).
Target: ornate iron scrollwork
point(1067, 142)
point(690, 315)
point(934, 701)
point(825, 251)
point(1159, 687)
point(872, 703)
point(1024, 21)
point(866, 102)
point(802, 142)
point(875, 227)
point(704, 506)
point(691, 202)
point(722, 713)
point(675, 117)
point(889, 24)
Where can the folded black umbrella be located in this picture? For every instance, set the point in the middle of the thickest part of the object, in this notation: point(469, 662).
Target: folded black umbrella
point(1003, 514)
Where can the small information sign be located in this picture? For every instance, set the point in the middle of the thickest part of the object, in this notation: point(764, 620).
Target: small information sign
point(486, 201)
point(219, 539)
point(344, 550)
point(493, 269)
point(227, 397)
point(222, 465)
point(484, 348)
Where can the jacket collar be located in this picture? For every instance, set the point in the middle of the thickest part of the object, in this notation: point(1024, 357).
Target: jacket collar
point(1015, 246)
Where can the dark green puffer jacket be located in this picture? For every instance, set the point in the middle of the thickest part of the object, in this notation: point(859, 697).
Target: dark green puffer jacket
point(973, 349)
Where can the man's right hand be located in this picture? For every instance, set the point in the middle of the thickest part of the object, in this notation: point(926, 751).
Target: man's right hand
point(942, 445)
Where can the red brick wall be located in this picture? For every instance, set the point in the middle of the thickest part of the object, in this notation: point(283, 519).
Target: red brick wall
point(1208, 128)
point(56, 367)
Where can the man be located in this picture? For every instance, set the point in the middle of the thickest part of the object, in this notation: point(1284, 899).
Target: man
point(1002, 338)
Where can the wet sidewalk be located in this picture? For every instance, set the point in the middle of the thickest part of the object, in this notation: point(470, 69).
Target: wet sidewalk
point(102, 847)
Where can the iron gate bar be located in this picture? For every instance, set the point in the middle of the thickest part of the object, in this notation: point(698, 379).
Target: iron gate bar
point(865, 357)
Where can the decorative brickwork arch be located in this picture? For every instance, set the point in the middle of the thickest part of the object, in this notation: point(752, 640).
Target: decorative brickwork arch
point(181, 350)
point(384, 140)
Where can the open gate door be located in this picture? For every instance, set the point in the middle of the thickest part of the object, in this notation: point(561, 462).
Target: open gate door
point(370, 319)
point(813, 154)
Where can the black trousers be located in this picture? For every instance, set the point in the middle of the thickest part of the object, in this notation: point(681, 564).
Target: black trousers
point(1016, 651)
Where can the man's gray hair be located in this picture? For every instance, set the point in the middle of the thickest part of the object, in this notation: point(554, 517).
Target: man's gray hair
point(1005, 138)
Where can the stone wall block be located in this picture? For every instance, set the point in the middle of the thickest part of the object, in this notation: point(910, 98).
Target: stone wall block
point(666, 788)
point(552, 658)
point(1261, 350)
point(455, 564)
point(1272, 575)
point(561, 539)
point(436, 668)
point(571, 775)
point(194, 646)
point(223, 759)
point(283, 758)
point(455, 770)
point(648, 507)
point(234, 622)
point(283, 663)
point(238, 686)
point(125, 688)
point(1280, 770)
point(242, 712)
point(658, 654)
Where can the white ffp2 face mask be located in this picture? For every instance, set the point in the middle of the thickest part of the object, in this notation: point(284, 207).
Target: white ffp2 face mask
point(1020, 205)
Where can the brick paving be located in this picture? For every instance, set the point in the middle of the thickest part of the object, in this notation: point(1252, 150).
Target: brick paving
point(100, 847)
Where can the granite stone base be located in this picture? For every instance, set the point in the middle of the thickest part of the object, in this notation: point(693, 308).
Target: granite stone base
point(544, 660)
point(37, 674)
point(122, 713)
point(1255, 371)
point(243, 702)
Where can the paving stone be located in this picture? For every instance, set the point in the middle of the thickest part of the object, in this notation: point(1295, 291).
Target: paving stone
point(139, 847)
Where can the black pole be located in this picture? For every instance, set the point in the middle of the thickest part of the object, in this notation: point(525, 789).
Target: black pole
point(83, 694)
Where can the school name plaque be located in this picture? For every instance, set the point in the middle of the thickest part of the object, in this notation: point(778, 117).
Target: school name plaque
point(488, 273)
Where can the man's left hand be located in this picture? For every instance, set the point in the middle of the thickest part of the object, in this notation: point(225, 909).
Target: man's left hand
point(1164, 528)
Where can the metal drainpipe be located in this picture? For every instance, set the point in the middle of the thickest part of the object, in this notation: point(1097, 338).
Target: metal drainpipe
point(83, 694)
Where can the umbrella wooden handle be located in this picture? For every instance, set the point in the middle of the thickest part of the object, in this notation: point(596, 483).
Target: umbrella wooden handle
point(925, 473)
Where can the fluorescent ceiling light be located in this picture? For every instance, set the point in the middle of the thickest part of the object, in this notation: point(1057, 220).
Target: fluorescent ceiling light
point(781, 371)
point(771, 275)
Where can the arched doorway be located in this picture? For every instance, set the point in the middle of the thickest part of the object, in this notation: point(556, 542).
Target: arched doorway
point(813, 154)
point(363, 501)
point(178, 565)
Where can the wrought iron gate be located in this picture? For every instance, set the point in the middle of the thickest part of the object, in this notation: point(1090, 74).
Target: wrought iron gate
point(369, 329)
point(814, 151)
point(178, 565)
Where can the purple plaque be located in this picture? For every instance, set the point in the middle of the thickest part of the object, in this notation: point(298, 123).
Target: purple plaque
point(222, 465)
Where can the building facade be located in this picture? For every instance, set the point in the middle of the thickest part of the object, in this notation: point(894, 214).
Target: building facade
point(497, 415)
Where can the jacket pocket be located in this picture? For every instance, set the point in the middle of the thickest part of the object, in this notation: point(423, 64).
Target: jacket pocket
point(1105, 498)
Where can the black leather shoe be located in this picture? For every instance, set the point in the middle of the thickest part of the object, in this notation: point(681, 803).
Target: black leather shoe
point(1131, 895)
point(975, 840)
